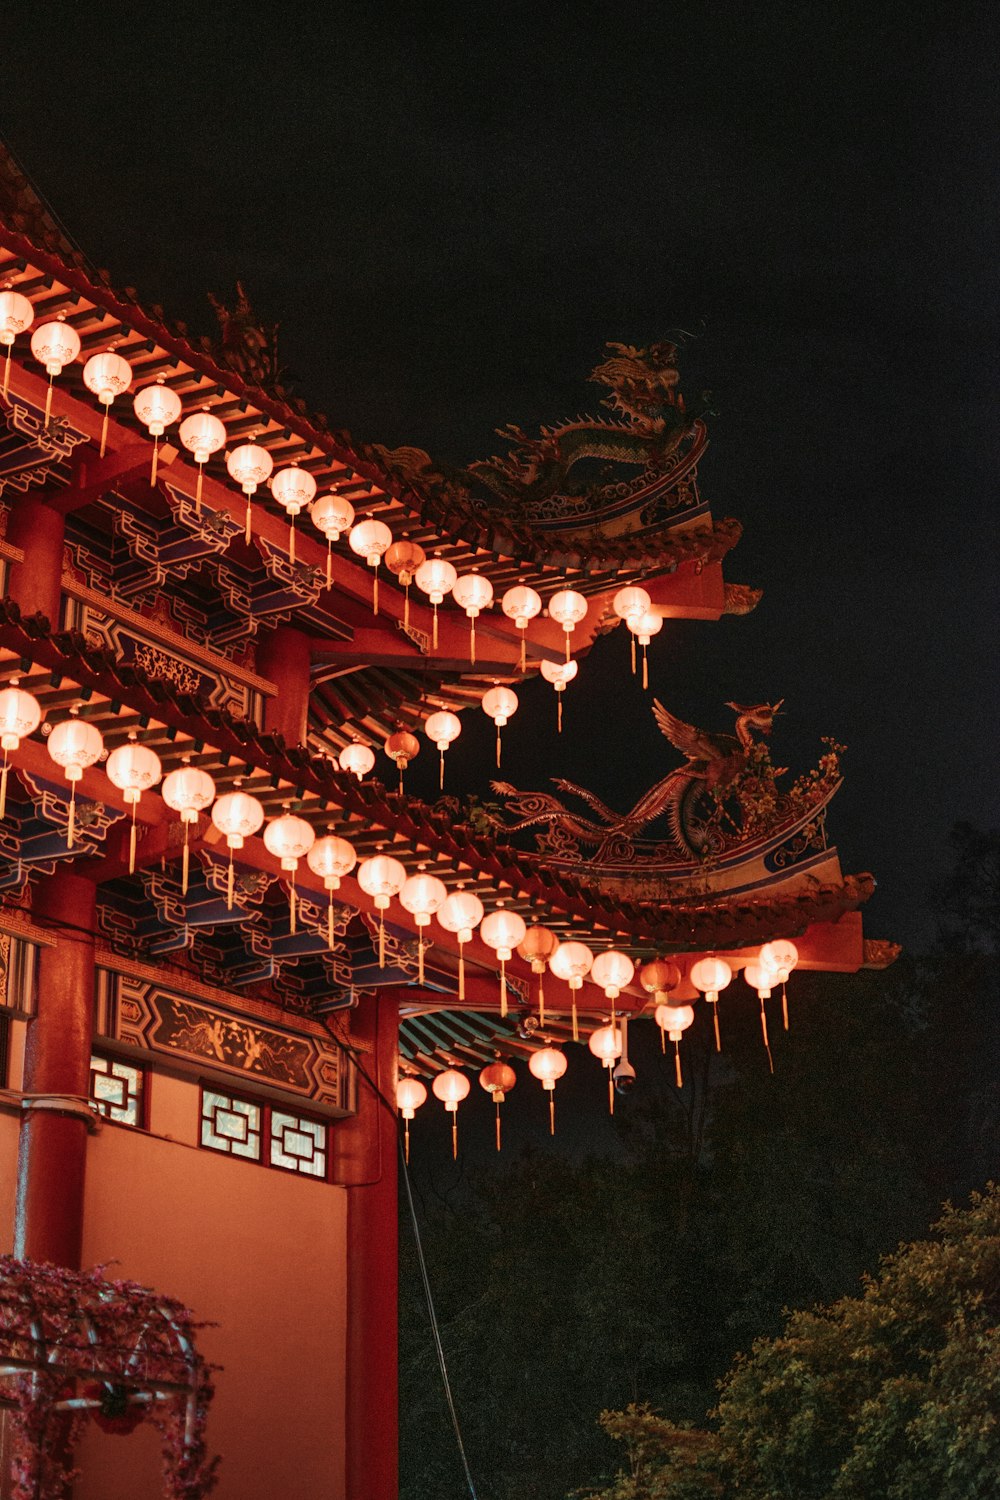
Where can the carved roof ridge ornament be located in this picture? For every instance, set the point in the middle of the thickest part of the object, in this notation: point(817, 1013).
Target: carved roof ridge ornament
point(247, 346)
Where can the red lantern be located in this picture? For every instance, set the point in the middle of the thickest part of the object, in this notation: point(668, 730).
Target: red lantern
point(536, 948)
point(403, 559)
point(498, 1079)
point(402, 747)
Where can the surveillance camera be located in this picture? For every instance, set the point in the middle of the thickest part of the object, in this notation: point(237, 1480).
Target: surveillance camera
point(624, 1077)
point(526, 1027)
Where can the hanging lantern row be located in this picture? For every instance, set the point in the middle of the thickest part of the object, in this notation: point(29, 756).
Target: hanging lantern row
point(108, 375)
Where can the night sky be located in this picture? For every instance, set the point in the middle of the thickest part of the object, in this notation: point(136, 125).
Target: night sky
point(450, 218)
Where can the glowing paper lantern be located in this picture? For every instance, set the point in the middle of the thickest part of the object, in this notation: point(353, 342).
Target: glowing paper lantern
point(674, 1020)
point(421, 895)
point(332, 516)
point(441, 729)
point(202, 435)
point(435, 578)
point(613, 971)
point(536, 948)
point(473, 593)
point(381, 878)
point(293, 488)
point(781, 958)
point(502, 930)
point(568, 608)
point(16, 316)
point(249, 466)
point(645, 627)
point(500, 703)
point(74, 744)
point(157, 407)
point(572, 962)
point(403, 559)
point(521, 605)
point(331, 858)
point(54, 345)
point(357, 759)
point(761, 980)
point(461, 914)
point(548, 1065)
point(659, 978)
point(451, 1087)
point(710, 975)
point(402, 747)
point(498, 1079)
point(20, 715)
point(107, 376)
point(289, 839)
point(628, 603)
point(606, 1044)
point(559, 674)
point(410, 1094)
point(133, 769)
point(371, 540)
point(237, 816)
point(188, 791)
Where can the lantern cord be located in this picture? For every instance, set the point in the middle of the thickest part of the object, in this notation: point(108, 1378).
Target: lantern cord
point(435, 1331)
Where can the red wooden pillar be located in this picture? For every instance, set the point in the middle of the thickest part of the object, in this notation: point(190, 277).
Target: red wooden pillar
point(36, 584)
point(53, 1147)
point(365, 1159)
point(283, 656)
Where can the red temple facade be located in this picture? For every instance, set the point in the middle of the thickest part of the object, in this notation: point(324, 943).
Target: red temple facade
point(200, 1039)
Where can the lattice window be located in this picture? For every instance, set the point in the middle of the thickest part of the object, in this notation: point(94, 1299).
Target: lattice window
point(116, 1088)
point(297, 1145)
point(231, 1125)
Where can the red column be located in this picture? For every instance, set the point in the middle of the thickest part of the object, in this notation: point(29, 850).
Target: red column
point(36, 584)
point(365, 1159)
point(283, 656)
point(53, 1149)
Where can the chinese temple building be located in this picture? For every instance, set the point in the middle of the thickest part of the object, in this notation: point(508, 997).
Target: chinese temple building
point(227, 930)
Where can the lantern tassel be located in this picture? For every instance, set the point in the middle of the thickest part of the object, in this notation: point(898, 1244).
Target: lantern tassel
point(784, 1003)
point(375, 590)
point(454, 1138)
point(381, 939)
point(576, 1026)
point(48, 405)
point(441, 776)
point(246, 523)
point(6, 373)
point(291, 540)
point(292, 906)
point(498, 1127)
point(229, 883)
point(420, 960)
point(406, 608)
point(559, 711)
point(400, 769)
point(715, 1019)
point(567, 645)
point(524, 648)
point(131, 844)
point(677, 1065)
point(406, 1141)
point(541, 1002)
point(329, 584)
point(3, 787)
point(632, 640)
point(767, 1044)
point(503, 991)
point(498, 747)
point(156, 459)
point(461, 972)
point(472, 640)
point(329, 925)
point(552, 1112)
point(185, 863)
point(663, 1040)
point(611, 1093)
point(197, 491)
point(71, 828)
point(104, 431)
point(645, 670)
point(434, 629)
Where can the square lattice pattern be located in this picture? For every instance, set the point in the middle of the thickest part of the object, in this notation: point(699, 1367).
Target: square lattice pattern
point(116, 1089)
point(231, 1125)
